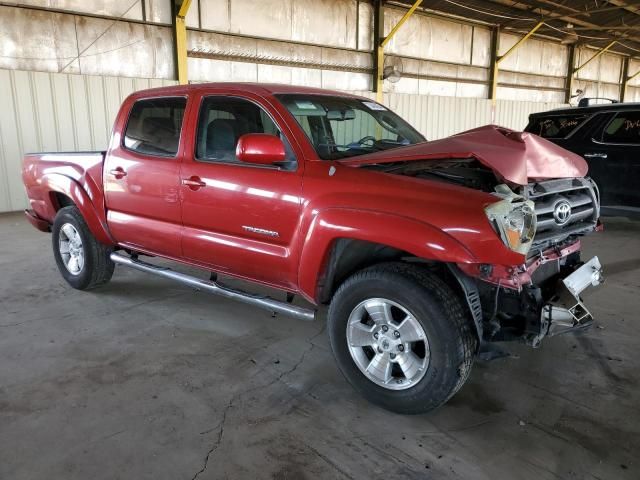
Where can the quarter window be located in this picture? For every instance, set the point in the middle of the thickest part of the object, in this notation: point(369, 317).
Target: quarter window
point(624, 128)
point(154, 126)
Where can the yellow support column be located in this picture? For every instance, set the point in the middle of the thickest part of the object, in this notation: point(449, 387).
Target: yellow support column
point(181, 41)
point(593, 57)
point(380, 49)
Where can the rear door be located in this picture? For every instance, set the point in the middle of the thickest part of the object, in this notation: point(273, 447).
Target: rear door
point(142, 176)
point(240, 218)
point(613, 154)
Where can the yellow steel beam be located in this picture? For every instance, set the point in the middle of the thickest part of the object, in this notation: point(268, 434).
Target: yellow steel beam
point(519, 42)
point(379, 73)
point(593, 57)
point(494, 82)
point(184, 8)
point(181, 41)
point(404, 18)
point(631, 77)
point(383, 43)
point(627, 79)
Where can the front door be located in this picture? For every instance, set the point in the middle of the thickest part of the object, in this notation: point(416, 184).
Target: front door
point(239, 218)
point(142, 177)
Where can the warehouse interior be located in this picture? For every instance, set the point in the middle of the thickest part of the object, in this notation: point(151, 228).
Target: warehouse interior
point(144, 378)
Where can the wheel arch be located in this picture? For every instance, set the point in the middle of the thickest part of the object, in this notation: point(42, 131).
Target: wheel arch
point(64, 191)
point(342, 241)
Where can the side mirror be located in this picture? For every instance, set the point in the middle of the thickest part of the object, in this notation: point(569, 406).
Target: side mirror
point(260, 148)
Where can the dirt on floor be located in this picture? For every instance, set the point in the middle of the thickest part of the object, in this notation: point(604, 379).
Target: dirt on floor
point(147, 379)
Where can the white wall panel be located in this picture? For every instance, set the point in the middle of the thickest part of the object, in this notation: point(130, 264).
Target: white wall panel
point(533, 56)
point(55, 112)
point(111, 8)
point(429, 38)
point(60, 42)
point(438, 117)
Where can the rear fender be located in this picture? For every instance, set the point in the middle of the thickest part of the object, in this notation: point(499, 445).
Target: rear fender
point(416, 238)
point(72, 189)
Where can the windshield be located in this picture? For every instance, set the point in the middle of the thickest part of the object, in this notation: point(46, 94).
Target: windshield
point(342, 127)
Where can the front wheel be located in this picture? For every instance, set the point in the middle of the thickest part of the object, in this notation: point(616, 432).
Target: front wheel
point(402, 337)
point(82, 260)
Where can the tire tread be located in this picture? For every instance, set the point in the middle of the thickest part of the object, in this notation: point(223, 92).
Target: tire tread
point(465, 339)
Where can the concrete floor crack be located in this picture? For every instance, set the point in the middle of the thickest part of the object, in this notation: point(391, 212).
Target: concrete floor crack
point(237, 396)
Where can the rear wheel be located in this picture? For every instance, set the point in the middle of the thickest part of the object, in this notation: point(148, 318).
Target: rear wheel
point(82, 260)
point(401, 337)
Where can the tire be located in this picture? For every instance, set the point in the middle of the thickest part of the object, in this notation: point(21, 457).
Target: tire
point(413, 294)
point(92, 267)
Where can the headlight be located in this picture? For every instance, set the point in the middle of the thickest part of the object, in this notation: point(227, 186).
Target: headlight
point(514, 219)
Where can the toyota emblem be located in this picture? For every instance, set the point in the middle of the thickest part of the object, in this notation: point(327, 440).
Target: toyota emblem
point(562, 212)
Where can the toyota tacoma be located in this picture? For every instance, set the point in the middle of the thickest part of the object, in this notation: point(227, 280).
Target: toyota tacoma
point(426, 252)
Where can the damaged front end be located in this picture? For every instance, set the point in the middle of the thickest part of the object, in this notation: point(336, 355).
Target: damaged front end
point(544, 204)
point(542, 297)
point(539, 299)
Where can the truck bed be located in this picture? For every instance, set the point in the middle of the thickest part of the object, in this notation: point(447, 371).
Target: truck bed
point(67, 169)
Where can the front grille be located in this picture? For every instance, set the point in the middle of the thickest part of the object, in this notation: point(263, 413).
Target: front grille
point(564, 207)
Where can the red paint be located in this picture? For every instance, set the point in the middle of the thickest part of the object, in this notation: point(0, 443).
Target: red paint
point(517, 157)
point(274, 226)
point(260, 148)
point(514, 277)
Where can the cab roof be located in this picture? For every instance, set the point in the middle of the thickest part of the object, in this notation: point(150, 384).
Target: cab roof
point(257, 88)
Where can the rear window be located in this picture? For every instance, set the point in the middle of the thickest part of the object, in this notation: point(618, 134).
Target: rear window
point(154, 126)
point(556, 126)
point(624, 128)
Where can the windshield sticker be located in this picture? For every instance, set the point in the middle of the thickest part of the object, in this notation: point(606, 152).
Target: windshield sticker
point(306, 105)
point(374, 106)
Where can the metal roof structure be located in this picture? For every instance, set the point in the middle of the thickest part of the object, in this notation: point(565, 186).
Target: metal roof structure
point(594, 23)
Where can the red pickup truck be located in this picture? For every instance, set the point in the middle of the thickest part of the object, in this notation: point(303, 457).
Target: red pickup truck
point(426, 252)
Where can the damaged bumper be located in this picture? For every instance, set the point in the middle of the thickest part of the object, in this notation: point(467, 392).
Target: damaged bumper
point(528, 303)
point(566, 311)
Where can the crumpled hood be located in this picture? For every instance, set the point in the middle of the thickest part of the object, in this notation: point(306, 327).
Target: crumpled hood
point(517, 157)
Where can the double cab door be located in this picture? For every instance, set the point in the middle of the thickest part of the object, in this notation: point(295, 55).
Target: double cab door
point(141, 176)
point(238, 217)
point(182, 193)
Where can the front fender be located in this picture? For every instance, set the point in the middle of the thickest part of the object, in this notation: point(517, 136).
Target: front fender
point(420, 239)
point(59, 183)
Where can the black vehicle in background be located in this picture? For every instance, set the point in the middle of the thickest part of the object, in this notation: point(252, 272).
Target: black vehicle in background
point(608, 137)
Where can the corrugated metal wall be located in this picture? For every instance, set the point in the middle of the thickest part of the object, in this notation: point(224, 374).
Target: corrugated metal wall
point(55, 112)
point(438, 117)
point(60, 112)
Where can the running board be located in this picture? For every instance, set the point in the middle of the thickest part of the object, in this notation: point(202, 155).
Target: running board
point(261, 301)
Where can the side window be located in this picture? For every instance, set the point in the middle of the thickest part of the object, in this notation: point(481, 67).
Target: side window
point(557, 126)
point(624, 128)
point(221, 123)
point(154, 126)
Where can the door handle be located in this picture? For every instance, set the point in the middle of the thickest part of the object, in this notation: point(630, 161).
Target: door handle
point(118, 172)
point(595, 155)
point(194, 183)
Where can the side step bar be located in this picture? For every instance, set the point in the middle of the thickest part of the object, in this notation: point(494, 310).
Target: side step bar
point(261, 301)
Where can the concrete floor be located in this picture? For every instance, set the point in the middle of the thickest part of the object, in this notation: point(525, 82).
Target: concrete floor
point(146, 379)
